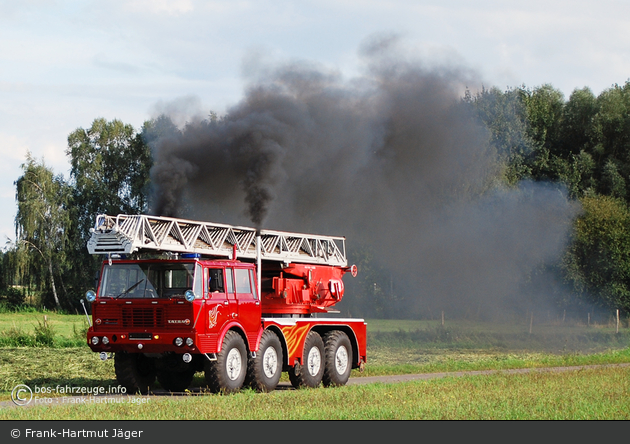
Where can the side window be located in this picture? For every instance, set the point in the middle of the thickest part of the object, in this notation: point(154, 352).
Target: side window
point(243, 284)
point(215, 280)
point(198, 285)
point(252, 279)
point(229, 274)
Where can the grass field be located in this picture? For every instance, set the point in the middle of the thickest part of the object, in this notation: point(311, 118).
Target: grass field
point(394, 347)
point(583, 395)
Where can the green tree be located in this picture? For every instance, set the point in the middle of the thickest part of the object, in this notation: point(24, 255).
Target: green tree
point(612, 182)
point(612, 122)
point(110, 166)
point(41, 225)
point(576, 130)
point(575, 171)
point(544, 108)
point(504, 115)
point(598, 261)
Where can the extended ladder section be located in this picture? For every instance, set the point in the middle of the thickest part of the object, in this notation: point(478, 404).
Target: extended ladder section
point(125, 234)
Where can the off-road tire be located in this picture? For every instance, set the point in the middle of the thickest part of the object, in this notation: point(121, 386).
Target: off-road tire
point(264, 371)
point(175, 381)
point(134, 371)
point(309, 374)
point(338, 358)
point(228, 372)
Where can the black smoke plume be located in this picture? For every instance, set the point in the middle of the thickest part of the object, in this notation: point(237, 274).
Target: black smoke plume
point(392, 159)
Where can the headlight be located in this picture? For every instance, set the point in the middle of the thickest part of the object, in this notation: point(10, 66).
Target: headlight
point(105, 340)
point(94, 340)
point(90, 295)
point(189, 295)
point(179, 342)
point(189, 342)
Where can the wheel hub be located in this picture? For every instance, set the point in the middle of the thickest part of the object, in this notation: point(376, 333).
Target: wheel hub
point(233, 364)
point(313, 361)
point(341, 360)
point(270, 362)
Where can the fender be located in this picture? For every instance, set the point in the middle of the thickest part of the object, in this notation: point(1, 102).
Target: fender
point(236, 325)
point(232, 325)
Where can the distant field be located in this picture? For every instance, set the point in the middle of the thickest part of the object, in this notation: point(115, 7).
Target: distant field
point(64, 326)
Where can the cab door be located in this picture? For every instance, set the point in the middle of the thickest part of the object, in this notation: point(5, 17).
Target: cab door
point(219, 309)
point(248, 303)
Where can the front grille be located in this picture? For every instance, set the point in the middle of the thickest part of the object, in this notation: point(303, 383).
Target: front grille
point(143, 317)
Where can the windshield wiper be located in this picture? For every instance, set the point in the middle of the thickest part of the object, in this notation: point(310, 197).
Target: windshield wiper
point(130, 288)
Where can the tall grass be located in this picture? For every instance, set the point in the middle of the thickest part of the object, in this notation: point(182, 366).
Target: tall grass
point(27, 328)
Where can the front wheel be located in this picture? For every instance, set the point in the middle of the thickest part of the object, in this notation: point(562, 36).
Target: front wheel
point(175, 381)
point(311, 372)
point(228, 372)
point(134, 371)
point(338, 361)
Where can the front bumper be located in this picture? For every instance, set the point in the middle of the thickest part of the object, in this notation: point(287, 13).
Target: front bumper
point(145, 342)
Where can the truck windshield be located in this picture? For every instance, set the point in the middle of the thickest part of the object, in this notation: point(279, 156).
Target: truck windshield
point(150, 280)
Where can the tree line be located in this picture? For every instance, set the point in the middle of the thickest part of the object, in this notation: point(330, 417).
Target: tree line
point(582, 143)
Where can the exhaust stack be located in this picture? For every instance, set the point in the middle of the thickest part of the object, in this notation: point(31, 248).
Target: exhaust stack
point(258, 265)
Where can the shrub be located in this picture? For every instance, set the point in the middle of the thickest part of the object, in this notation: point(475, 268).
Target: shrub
point(16, 337)
point(14, 296)
point(44, 333)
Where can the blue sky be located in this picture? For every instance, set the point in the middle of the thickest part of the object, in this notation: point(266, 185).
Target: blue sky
point(65, 63)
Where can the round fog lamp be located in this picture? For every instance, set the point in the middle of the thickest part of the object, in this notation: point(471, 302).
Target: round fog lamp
point(189, 342)
point(187, 357)
point(94, 340)
point(105, 340)
point(179, 342)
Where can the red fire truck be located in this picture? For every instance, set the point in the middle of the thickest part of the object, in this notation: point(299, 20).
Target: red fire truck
point(177, 296)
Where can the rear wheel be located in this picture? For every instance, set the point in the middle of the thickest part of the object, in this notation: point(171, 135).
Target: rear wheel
point(134, 371)
point(228, 372)
point(338, 358)
point(263, 371)
point(311, 372)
